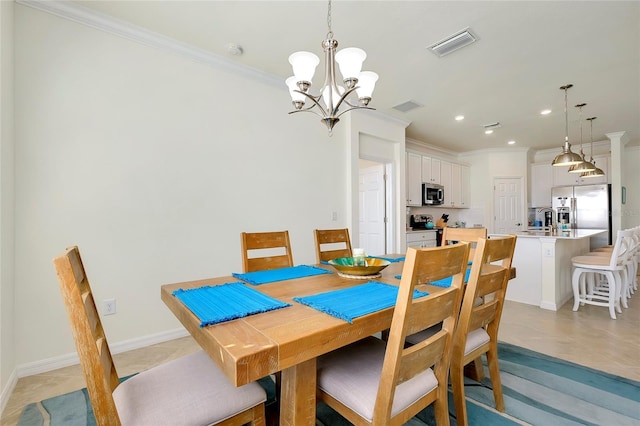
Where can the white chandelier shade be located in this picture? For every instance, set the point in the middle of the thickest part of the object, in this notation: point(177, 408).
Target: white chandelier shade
point(332, 100)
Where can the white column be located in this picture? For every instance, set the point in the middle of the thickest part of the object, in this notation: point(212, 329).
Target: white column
point(618, 141)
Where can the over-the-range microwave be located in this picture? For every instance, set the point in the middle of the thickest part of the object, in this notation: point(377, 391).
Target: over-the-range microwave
point(432, 194)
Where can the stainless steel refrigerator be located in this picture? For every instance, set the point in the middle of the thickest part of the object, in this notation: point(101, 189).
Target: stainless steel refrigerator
point(589, 207)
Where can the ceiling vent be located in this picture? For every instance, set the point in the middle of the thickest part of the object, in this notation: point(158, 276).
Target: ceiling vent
point(453, 42)
point(407, 106)
point(492, 125)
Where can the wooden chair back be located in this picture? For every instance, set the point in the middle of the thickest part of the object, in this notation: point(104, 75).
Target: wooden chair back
point(95, 357)
point(482, 309)
point(486, 289)
point(414, 315)
point(262, 241)
point(469, 235)
point(332, 244)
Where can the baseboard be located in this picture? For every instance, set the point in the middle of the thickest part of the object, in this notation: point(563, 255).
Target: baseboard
point(549, 306)
point(8, 390)
point(66, 360)
point(54, 363)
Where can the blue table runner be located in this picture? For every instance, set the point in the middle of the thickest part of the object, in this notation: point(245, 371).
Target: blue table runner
point(281, 274)
point(353, 302)
point(225, 302)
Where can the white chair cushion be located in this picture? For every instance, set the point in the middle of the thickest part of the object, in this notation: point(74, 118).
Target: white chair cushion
point(475, 339)
point(190, 390)
point(352, 376)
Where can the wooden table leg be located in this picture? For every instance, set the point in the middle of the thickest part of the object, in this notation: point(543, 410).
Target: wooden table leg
point(475, 370)
point(298, 395)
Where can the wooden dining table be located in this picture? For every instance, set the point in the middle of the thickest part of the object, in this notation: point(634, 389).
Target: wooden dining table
point(288, 340)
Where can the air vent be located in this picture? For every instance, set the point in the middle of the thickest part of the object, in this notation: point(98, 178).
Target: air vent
point(454, 42)
point(407, 106)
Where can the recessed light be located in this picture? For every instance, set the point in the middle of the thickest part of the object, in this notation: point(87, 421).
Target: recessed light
point(511, 142)
point(459, 117)
point(488, 132)
point(545, 112)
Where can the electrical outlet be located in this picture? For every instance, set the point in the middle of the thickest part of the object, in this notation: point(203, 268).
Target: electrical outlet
point(334, 216)
point(108, 306)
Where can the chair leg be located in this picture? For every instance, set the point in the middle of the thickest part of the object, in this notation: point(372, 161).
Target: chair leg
point(575, 283)
point(457, 383)
point(494, 373)
point(441, 405)
point(612, 294)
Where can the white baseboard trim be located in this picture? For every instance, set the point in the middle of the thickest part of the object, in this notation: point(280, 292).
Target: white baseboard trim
point(8, 390)
point(49, 364)
point(66, 360)
point(549, 306)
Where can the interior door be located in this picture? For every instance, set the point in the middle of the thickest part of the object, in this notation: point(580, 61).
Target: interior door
point(372, 209)
point(507, 202)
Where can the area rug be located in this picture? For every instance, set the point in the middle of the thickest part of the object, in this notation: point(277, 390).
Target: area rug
point(538, 390)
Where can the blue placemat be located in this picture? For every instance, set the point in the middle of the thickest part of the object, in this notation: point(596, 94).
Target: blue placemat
point(390, 259)
point(281, 274)
point(353, 302)
point(225, 302)
point(445, 282)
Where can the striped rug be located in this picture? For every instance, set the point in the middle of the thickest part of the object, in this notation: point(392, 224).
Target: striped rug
point(538, 390)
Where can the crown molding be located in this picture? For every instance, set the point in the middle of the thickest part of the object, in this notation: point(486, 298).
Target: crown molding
point(91, 18)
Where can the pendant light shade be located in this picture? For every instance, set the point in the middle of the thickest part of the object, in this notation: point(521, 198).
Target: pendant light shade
point(566, 157)
point(584, 165)
point(596, 172)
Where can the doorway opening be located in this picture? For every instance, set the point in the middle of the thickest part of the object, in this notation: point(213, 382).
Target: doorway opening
point(374, 207)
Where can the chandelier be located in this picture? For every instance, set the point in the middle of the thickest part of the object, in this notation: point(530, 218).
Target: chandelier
point(566, 157)
point(584, 165)
point(596, 171)
point(331, 94)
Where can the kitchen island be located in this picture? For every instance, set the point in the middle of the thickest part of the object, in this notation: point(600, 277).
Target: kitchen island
point(543, 262)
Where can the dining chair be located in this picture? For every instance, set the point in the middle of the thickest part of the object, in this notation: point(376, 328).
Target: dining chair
point(332, 244)
point(261, 247)
point(469, 235)
point(477, 329)
point(372, 382)
point(187, 390)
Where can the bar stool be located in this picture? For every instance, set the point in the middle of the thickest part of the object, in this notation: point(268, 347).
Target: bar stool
point(613, 268)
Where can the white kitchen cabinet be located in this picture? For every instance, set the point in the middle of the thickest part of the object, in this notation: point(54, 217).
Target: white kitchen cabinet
point(562, 177)
point(431, 170)
point(414, 179)
point(541, 184)
point(446, 182)
point(455, 180)
point(421, 239)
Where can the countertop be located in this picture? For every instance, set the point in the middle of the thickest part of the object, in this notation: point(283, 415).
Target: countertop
point(570, 234)
point(414, 231)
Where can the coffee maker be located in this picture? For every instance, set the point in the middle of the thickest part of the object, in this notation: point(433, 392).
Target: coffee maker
point(563, 214)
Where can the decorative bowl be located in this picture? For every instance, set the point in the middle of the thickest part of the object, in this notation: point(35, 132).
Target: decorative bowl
point(346, 266)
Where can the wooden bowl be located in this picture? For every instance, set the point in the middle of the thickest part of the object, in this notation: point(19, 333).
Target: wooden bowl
point(346, 266)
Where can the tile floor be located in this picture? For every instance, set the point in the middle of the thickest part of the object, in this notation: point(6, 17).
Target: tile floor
point(587, 337)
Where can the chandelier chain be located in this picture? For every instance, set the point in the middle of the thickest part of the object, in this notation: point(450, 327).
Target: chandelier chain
point(330, 33)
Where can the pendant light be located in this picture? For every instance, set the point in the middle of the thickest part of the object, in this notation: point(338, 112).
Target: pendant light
point(597, 171)
point(584, 165)
point(567, 157)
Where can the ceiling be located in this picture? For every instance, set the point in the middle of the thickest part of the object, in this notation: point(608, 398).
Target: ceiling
point(524, 53)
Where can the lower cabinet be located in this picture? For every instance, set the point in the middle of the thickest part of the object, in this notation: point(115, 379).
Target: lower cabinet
point(421, 239)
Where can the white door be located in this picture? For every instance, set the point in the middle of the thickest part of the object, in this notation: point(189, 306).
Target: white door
point(372, 210)
point(507, 205)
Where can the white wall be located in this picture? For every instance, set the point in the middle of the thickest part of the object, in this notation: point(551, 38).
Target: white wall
point(7, 348)
point(631, 180)
point(153, 164)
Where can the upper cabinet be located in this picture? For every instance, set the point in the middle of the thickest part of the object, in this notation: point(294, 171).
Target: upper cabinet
point(541, 184)
point(414, 179)
point(452, 176)
point(562, 177)
point(431, 170)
